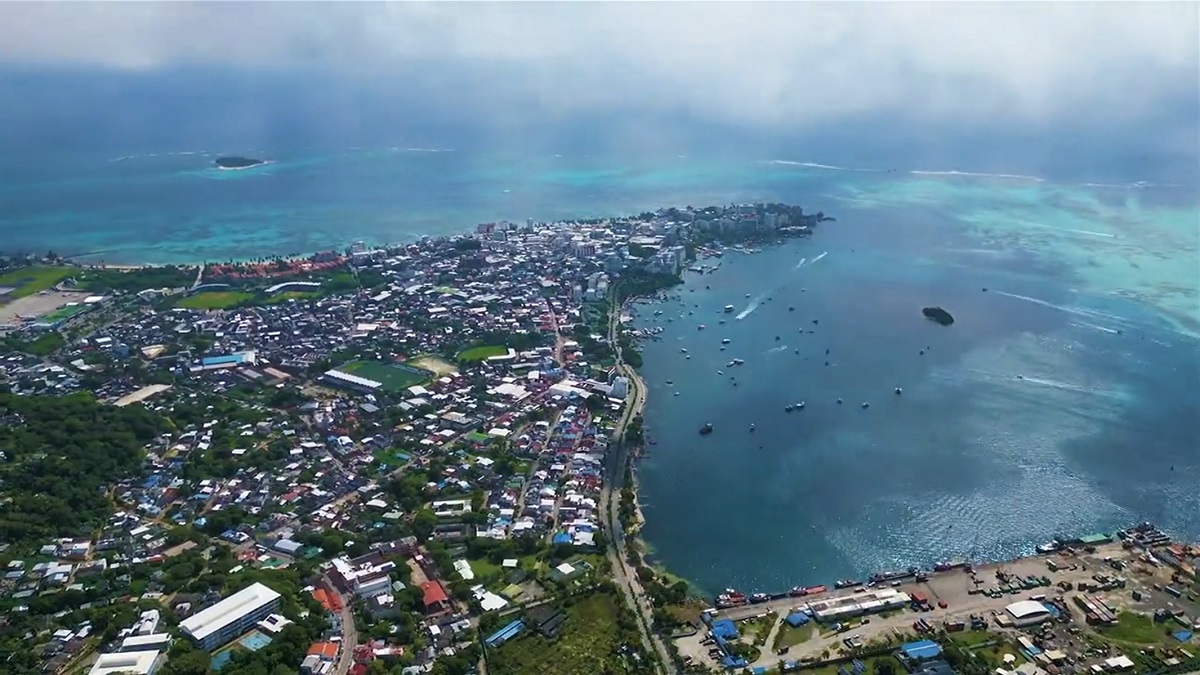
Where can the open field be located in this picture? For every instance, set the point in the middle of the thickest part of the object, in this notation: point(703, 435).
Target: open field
point(65, 312)
point(587, 644)
point(482, 352)
point(27, 281)
point(292, 295)
point(434, 364)
point(214, 300)
point(394, 376)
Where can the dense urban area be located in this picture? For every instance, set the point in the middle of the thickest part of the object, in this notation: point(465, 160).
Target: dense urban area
point(417, 459)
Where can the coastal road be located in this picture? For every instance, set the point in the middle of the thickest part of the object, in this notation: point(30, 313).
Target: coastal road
point(626, 578)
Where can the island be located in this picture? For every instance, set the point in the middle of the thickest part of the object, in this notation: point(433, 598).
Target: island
point(237, 162)
point(939, 315)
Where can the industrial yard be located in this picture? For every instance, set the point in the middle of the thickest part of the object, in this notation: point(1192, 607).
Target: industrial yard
point(1068, 611)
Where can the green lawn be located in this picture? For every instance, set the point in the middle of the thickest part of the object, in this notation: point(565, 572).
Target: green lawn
point(482, 352)
point(214, 300)
point(1133, 628)
point(789, 637)
point(587, 644)
point(35, 278)
point(394, 376)
point(64, 313)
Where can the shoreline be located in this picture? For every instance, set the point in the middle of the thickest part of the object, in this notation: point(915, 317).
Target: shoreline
point(1029, 548)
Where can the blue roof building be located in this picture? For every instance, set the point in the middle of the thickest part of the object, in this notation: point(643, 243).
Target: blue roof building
point(921, 650)
point(797, 619)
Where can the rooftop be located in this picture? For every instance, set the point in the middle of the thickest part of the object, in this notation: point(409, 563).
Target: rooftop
point(214, 618)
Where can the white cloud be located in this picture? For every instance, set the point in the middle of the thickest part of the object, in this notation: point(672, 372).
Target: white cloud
point(780, 64)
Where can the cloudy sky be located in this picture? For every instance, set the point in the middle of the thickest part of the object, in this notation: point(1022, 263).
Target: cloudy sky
point(793, 67)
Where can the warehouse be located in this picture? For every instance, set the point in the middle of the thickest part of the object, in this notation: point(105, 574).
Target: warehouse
point(833, 609)
point(1026, 613)
point(216, 625)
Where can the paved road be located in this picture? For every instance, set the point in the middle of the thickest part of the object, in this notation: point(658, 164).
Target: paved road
point(349, 632)
point(626, 578)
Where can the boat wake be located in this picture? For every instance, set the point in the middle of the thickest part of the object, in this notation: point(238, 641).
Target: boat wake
point(823, 167)
point(1106, 235)
point(1064, 386)
point(1105, 329)
point(972, 174)
point(823, 254)
point(1087, 313)
point(749, 309)
point(800, 264)
point(776, 350)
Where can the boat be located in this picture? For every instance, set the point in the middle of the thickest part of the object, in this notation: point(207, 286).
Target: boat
point(730, 364)
point(670, 381)
point(757, 598)
point(752, 427)
point(1049, 547)
point(796, 591)
point(789, 408)
point(895, 575)
point(800, 405)
point(676, 393)
point(700, 327)
point(865, 405)
point(725, 341)
point(899, 391)
point(738, 362)
point(728, 309)
point(706, 429)
point(683, 350)
point(845, 583)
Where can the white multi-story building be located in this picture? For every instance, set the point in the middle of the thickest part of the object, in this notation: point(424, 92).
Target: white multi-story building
point(216, 625)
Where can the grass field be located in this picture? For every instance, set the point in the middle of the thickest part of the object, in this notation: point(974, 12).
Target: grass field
point(64, 313)
point(30, 280)
point(214, 300)
point(292, 295)
point(482, 352)
point(587, 644)
point(789, 637)
point(394, 376)
point(1135, 629)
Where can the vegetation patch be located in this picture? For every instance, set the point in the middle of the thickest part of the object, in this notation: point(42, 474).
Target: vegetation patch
point(33, 279)
point(589, 642)
point(1134, 628)
point(481, 353)
point(790, 637)
point(64, 313)
point(215, 300)
point(393, 376)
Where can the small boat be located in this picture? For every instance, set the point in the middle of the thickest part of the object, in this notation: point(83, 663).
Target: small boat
point(899, 391)
point(683, 350)
point(730, 364)
point(777, 338)
point(728, 309)
point(706, 429)
point(738, 362)
point(700, 327)
point(791, 309)
point(725, 341)
point(676, 393)
point(747, 295)
point(1049, 547)
point(839, 401)
point(720, 372)
point(800, 405)
point(752, 427)
point(788, 408)
point(866, 405)
point(670, 381)
point(757, 598)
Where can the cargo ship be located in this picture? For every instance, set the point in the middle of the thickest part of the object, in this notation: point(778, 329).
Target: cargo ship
point(895, 575)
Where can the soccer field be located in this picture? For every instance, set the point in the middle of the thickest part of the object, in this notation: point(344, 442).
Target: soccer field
point(394, 376)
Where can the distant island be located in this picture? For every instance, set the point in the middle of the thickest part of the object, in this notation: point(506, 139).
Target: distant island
point(938, 314)
point(237, 162)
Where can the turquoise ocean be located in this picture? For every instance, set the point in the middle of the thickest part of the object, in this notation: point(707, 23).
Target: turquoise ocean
point(1062, 401)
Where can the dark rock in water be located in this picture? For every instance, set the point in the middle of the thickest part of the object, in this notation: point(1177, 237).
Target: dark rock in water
point(938, 314)
point(237, 162)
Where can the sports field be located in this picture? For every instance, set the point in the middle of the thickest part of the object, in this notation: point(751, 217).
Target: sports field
point(482, 352)
point(394, 376)
point(214, 300)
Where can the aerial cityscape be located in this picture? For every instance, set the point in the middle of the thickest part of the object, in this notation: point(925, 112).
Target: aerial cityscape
point(519, 339)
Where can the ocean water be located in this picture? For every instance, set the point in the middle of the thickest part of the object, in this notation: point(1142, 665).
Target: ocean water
point(1063, 400)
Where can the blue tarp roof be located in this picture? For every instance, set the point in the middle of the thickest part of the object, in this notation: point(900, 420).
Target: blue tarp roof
point(1182, 635)
point(562, 538)
point(734, 662)
point(216, 360)
point(922, 649)
point(797, 619)
point(724, 628)
point(505, 633)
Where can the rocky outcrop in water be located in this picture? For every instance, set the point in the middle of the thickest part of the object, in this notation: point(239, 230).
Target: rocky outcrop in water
point(938, 314)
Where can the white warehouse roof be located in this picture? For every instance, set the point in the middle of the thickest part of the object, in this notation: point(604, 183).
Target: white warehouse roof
point(141, 663)
point(1026, 608)
point(212, 619)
